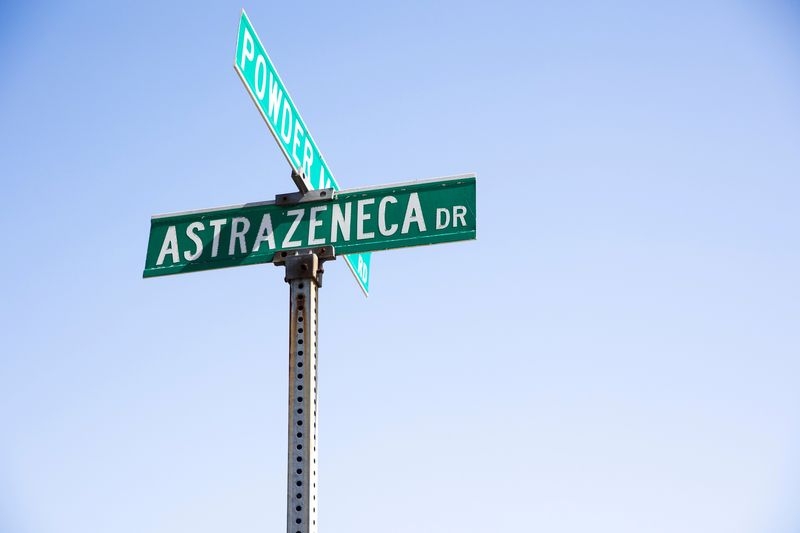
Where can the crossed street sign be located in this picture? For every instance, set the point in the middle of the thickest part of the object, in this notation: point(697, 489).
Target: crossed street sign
point(311, 172)
point(300, 231)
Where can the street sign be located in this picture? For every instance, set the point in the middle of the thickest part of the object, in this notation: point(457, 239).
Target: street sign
point(311, 172)
point(352, 221)
point(301, 231)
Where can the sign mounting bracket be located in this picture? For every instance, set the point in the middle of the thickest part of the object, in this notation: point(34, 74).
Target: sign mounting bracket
point(294, 198)
point(305, 263)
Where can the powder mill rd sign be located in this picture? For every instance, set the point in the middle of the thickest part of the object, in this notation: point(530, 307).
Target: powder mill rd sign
point(310, 171)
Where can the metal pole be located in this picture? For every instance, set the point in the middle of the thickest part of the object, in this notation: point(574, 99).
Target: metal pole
point(304, 276)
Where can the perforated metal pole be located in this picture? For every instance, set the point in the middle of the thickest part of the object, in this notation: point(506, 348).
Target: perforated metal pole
point(304, 275)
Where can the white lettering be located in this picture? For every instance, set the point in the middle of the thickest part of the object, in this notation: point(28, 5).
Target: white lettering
point(247, 51)
point(170, 246)
point(191, 233)
point(275, 97)
point(298, 214)
point(323, 183)
point(298, 132)
point(313, 223)
point(442, 221)
point(382, 216)
point(413, 214)
point(265, 233)
point(459, 212)
point(238, 235)
point(362, 217)
point(308, 158)
point(286, 122)
point(217, 225)
point(341, 221)
point(362, 268)
point(261, 64)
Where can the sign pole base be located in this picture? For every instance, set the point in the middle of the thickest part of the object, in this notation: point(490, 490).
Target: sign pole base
point(304, 276)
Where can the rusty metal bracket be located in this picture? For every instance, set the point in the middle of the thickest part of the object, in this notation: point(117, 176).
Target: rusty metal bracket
point(305, 263)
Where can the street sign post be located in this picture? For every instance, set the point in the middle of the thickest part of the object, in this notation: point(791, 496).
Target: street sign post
point(304, 276)
point(310, 171)
point(351, 221)
point(300, 231)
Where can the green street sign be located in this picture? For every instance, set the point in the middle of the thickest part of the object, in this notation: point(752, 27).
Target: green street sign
point(353, 221)
point(311, 172)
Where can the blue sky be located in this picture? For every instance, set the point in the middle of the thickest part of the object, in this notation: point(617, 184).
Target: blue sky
point(617, 352)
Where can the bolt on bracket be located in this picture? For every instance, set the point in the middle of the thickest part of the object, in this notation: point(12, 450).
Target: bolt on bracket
point(305, 263)
point(294, 198)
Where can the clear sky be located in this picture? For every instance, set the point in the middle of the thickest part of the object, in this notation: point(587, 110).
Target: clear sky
point(619, 351)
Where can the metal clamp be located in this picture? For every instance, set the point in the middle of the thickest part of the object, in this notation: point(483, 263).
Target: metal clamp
point(301, 181)
point(294, 198)
point(305, 263)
